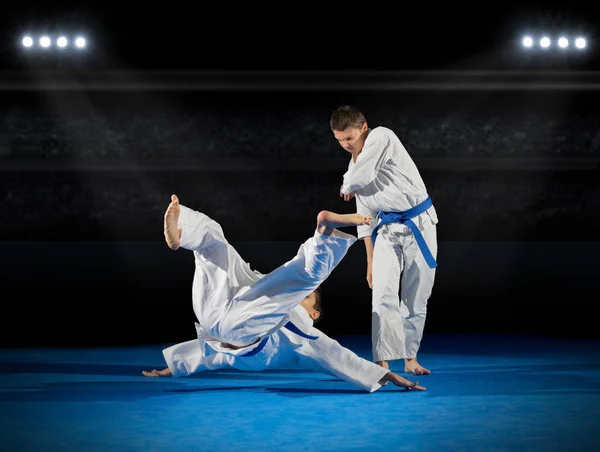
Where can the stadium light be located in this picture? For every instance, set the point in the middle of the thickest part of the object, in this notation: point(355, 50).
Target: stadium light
point(45, 41)
point(49, 40)
point(545, 42)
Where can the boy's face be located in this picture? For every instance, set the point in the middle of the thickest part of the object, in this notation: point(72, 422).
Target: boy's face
point(352, 139)
point(309, 304)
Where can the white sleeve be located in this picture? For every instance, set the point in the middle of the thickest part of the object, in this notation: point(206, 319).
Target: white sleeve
point(365, 230)
point(338, 360)
point(186, 358)
point(316, 258)
point(367, 164)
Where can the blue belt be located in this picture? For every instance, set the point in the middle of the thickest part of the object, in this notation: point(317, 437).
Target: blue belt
point(294, 329)
point(405, 218)
point(290, 326)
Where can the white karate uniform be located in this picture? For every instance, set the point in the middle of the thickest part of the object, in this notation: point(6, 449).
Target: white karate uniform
point(386, 179)
point(283, 349)
point(237, 305)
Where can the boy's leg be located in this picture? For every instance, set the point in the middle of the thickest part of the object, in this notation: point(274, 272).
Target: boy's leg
point(387, 327)
point(192, 230)
point(416, 288)
point(220, 270)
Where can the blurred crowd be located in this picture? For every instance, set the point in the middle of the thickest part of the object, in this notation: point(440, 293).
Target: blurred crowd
point(125, 127)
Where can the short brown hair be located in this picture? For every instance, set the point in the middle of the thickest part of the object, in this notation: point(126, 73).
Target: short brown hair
point(346, 117)
point(318, 305)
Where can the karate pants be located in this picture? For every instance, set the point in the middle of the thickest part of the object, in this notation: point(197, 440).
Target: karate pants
point(236, 305)
point(402, 285)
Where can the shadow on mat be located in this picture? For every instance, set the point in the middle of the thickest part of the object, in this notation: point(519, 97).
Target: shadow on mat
point(115, 391)
point(549, 368)
point(537, 380)
point(122, 370)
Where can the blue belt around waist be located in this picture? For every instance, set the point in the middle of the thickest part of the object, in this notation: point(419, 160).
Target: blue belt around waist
point(290, 326)
point(405, 218)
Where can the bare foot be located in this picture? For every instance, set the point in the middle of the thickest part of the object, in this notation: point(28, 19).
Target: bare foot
point(413, 367)
point(158, 373)
point(172, 234)
point(328, 221)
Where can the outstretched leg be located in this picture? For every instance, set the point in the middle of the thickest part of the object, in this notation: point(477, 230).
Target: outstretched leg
point(220, 271)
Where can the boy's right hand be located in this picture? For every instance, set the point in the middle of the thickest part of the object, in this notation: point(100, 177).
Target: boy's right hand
point(158, 373)
point(403, 382)
point(347, 197)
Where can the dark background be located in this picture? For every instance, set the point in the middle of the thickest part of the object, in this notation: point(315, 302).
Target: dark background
point(167, 100)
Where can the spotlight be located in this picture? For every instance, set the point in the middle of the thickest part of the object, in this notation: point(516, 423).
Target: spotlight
point(563, 42)
point(27, 41)
point(545, 42)
point(527, 41)
point(80, 42)
point(45, 41)
point(61, 42)
point(580, 43)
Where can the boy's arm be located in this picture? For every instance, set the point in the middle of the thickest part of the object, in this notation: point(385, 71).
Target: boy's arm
point(365, 169)
point(342, 362)
point(365, 230)
point(364, 233)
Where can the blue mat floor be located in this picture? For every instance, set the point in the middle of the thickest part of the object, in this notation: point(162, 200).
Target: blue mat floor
point(486, 393)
